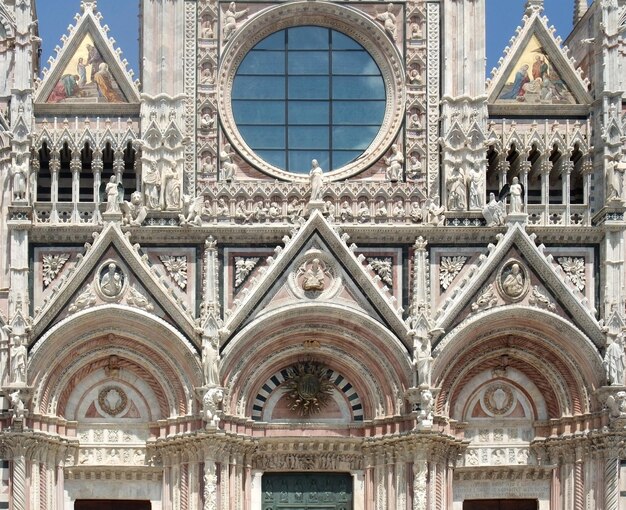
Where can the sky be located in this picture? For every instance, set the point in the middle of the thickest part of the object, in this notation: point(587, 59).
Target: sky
point(503, 16)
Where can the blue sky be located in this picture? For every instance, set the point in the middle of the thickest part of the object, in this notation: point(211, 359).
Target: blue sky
point(55, 15)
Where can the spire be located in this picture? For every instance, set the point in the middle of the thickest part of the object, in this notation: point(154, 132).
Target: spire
point(580, 8)
point(533, 6)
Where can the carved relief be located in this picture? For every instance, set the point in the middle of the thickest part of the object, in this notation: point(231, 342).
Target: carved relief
point(449, 268)
point(308, 388)
point(137, 299)
point(540, 300)
point(498, 399)
point(315, 276)
point(487, 299)
point(513, 281)
point(574, 268)
point(52, 265)
point(112, 400)
point(243, 267)
point(176, 267)
point(383, 267)
point(84, 300)
point(111, 281)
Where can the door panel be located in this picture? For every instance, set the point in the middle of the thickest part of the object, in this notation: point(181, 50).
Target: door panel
point(111, 504)
point(501, 504)
point(307, 491)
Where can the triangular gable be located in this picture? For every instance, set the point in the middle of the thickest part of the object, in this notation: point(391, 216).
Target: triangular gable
point(550, 275)
point(88, 73)
point(383, 304)
point(147, 282)
point(536, 77)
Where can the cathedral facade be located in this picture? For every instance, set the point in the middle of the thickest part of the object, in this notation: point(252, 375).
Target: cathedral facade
point(313, 260)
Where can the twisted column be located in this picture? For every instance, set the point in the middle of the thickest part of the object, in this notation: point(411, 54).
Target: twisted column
point(18, 496)
point(611, 488)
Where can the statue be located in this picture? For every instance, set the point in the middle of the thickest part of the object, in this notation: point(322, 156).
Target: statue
point(17, 405)
point(316, 176)
point(211, 404)
point(329, 210)
point(617, 404)
point(515, 191)
point(381, 209)
point(19, 361)
point(313, 277)
point(427, 402)
point(475, 189)
point(433, 214)
point(363, 212)
point(228, 166)
point(614, 362)
point(151, 185)
point(394, 164)
point(222, 208)
point(294, 210)
point(616, 181)
point(211, 361)
point(345, 211)
point(171, 189)
point(134, 211)
point(19, 172)
point(398, 210)
point(192, 211)
point(415, 168)
point(455, 186)
point(494, 212)
point(422, 360)
point(388, 19)
point(230, 19)
point(112, 191)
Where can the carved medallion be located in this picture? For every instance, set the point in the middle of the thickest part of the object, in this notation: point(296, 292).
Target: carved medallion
point(111, 281)
point(315, 276)
point(308, 388)
point(112, 400)
point(498, 399)
point(513, 280)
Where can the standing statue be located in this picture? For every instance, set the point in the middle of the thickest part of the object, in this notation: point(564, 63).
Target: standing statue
point(475, 189)
point(422, 360)
point(19, 172)
point(616, 181)
point(455, 186)
point(211, 361)
point(316, 176)
point(152, 185)
point(515, 191)
point(112, 191)
point(19, 361)
point(394, 164)
point(171, 189)
point(614, 362)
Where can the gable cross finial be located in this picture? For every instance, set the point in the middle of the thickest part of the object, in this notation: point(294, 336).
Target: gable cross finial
point(533, 6)
point(89, 5)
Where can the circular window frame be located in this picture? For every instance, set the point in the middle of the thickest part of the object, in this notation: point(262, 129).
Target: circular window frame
point(346, 20)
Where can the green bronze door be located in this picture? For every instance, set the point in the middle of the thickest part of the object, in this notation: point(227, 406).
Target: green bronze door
point(307, 491)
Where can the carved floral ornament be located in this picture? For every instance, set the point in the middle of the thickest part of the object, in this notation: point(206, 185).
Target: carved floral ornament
point(357, 25)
